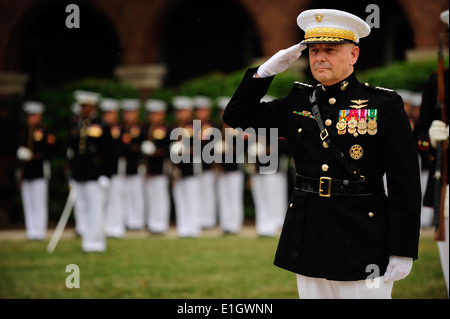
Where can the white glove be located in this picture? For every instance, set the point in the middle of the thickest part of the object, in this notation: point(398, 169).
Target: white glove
point(438, 132)
point(398, 268)
point(24, 154)
point(280, 61)
point(148, 147)
point(103, 182)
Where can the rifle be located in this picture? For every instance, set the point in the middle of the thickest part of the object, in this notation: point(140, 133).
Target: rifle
point(441, 174)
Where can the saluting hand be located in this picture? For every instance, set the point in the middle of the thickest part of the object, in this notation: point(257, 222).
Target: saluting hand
point(280, 61)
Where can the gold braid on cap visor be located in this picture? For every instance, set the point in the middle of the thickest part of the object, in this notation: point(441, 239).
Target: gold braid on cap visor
point(329, 34)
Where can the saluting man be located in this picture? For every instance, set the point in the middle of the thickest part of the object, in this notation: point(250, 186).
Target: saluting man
point(342, 235)
point(89, 152)
point(156, 150)
point(35, 150)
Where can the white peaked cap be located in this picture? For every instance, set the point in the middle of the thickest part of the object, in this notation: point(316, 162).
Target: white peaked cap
point(405, 94)
point(76, 108)
point(130, 104)
point(444, 17)
point(155, 105)
point(416, 99)
point(109, 104)
point(223, 101)
point(86, 97)
point(33, 107)
point(331, 26)
point(202, 102)
point(182, 102)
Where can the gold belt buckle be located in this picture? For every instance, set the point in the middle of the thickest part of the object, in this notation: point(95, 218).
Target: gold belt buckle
point(322, 181)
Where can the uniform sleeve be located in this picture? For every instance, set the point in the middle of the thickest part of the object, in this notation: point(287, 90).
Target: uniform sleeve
point(245, 109)
point(400, 158)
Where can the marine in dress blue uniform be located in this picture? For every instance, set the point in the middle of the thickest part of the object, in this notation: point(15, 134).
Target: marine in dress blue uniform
point(230, 177)
point(186, 187)
point(89, 154)
point(132, 138)
point(35, 150)
point(339, 222)
point(156, 152)
point(114, 207)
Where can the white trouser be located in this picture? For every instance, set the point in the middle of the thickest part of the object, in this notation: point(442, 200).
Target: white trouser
point(114, 216)
point(279, 196)
point(320, 288)
point(443, 253)
point(157, 199)
point(186, 195)
point(427, 213)
point(35, 207)
point(268, 203)
point(134, 201)
point(207, 184)
point(91, 198)
point(230, 188)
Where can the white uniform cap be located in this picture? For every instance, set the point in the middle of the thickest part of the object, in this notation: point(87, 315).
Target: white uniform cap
point(202, 102)
point(331, 26)
point(130, 104)
point(416, 99)
point(154, 105)
point(444, 17)
point(182, 102)
point(76, 108)
point(223, 101)
point(33, 107)
point(108, 104)
point(86, 97)
point(405, 94)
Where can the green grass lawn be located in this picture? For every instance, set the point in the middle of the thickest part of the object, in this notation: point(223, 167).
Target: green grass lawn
point(229, 267)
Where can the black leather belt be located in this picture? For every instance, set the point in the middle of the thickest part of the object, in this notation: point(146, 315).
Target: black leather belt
point(327, 186)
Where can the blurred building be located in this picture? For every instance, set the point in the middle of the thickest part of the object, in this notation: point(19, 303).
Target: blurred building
point(150, 43)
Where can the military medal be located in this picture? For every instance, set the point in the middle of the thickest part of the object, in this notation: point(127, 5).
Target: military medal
point(115, 132)
point(159, 133)
point(372, 124)
point(352, 122)
point(135, 131)
point(362, 124)
point(356, 152)
point(342, 124)
point(38, 135)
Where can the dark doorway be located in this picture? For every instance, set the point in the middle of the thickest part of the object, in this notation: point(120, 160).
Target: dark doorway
point(52, 53)
point(202, 36)
point(385, 44)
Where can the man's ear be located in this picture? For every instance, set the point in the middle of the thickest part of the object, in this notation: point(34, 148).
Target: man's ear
point(355, 54)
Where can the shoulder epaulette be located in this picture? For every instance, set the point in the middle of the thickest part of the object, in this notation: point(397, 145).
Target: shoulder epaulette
point(379, 88)
point(305, 85)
